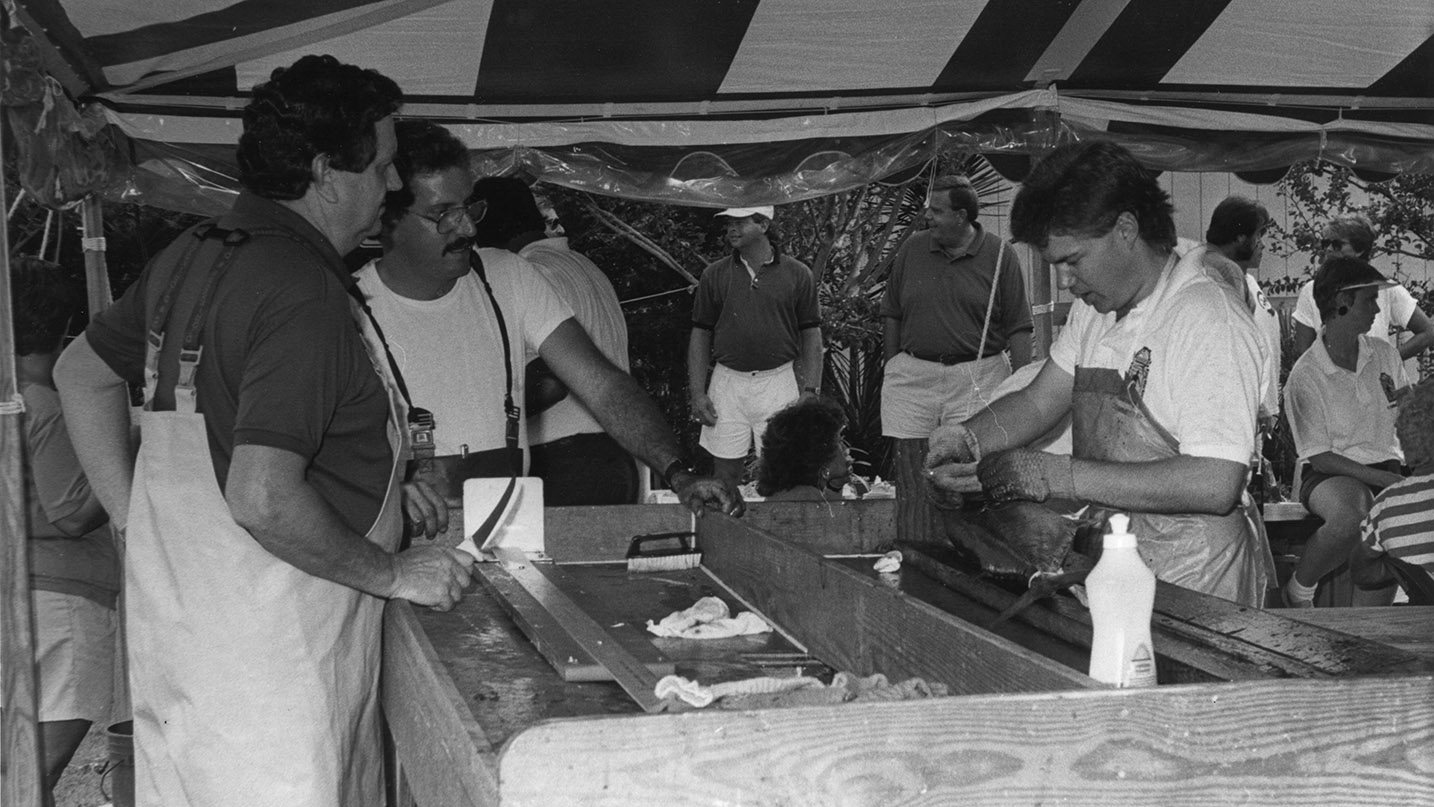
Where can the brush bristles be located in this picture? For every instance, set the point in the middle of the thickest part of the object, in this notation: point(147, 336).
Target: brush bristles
point(665, 563)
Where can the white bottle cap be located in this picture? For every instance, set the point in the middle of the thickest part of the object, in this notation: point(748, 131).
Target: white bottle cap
point(1119, 537)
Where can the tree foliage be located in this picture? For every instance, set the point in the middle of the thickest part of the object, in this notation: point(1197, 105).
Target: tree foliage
point(1401, 208)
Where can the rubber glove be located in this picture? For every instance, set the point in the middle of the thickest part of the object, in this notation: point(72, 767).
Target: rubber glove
point(951, 459)
point(1023, 473)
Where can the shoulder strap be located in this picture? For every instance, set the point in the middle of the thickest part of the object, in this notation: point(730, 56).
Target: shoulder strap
point(511, 412)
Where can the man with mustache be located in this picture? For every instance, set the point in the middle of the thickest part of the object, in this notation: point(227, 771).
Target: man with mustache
point(461, 324)
point(756, 328)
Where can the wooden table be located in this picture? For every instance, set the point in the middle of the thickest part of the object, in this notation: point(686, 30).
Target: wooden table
point(1407, 627)
point(477, 720)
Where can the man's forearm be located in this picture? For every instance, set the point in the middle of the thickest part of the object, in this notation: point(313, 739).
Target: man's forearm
point(808, 366)
point(1020, 346)
point(96, 405)
point(699, 361)
point(629, 415)
point(270, 498)
point(1175, 485)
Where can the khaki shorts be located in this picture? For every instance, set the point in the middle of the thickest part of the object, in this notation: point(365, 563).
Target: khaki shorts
point(917, 396)
point(74, 657)
point(745, 401)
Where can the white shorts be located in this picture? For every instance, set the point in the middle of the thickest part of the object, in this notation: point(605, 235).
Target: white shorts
point(744, 402)
point(917, 396)
point(74, 657)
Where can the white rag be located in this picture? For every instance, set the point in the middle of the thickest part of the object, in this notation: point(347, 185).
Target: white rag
point(708, 618)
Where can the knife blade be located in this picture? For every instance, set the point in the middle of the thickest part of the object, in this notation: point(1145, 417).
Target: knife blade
point(486, 535)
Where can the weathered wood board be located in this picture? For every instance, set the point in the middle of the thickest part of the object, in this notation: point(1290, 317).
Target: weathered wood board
point(1362, 741)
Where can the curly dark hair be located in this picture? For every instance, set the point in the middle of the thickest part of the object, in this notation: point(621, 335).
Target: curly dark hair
point(1233, 217)
point(318, 105)
point(424, 147)
point(47, 299)
point(1415, 424)
point(1082, 188)
point(800, 439)
point(512, 211)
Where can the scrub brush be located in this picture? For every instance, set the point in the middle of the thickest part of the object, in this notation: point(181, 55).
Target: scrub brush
point(673, 551)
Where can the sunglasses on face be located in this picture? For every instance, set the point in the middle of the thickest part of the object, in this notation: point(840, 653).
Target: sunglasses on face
point(1332, 243)
point(452, 219)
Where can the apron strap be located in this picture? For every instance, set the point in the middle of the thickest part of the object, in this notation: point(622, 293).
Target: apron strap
point(511, 412)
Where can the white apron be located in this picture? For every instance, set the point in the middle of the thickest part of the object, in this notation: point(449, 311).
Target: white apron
point(254, 683)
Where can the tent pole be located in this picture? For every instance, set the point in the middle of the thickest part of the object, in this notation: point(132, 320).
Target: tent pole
point(97, 277)
point(20, 778)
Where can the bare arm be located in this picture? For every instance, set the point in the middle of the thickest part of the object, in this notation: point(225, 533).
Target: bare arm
point(890, 337)
point(808, 366)
point(269, 495)
point(1020, 346)
point(1304, 337)
point(1329, 462)
point(1175, 485)
point(1423, 331)
point(1016, 419)
point(627, 412)
point(95, 401)
point(699, 362)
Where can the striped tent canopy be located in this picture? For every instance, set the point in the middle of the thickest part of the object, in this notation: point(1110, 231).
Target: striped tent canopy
point(712, 102)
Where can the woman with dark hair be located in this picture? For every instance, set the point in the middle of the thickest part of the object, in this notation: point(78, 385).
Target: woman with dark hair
point(1341, 399)
point(74, 568)
point(804, 457)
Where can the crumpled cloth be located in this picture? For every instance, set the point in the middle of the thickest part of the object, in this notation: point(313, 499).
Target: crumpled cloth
point(888, 563)
point(708, 618)
point(766, 692)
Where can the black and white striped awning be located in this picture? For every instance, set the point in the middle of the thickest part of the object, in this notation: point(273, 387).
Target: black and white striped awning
point(710, 100)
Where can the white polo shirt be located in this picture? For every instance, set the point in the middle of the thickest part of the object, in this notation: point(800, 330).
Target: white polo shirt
point(1348, 413)
point(1203, 384)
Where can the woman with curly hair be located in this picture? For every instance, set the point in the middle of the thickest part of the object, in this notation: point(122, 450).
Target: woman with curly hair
point(804, 457)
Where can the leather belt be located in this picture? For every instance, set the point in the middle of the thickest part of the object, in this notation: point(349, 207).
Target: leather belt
point(947, 359)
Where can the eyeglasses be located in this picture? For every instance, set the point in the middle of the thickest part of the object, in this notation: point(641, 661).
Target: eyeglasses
point(452, 218)
point(1332, 243)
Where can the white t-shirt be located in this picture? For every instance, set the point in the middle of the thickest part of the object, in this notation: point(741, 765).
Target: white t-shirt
point(450, 350)
point(588, 292)
point(1204, 381)
point(1268, 321)
point(1350, 414)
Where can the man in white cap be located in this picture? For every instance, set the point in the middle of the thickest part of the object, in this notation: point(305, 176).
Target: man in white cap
point(756, 325)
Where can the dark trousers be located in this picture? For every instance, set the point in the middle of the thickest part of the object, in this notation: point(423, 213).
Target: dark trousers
point(584, 469)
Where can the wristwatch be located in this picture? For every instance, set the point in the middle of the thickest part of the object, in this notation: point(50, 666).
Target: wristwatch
point(674, 468)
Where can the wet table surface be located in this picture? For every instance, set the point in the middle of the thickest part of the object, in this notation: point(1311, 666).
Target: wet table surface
point(508, 686)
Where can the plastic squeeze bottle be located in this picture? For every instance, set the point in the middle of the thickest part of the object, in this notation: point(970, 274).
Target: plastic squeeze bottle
point(1121, 591)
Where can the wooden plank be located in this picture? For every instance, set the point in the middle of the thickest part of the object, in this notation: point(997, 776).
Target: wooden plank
point(553, 638)
point(1271, 634)
point(842, 527)
point(1407, 627)
point(854, 622)
point(444, 753)
point(596, 534)
point(1215, 637)
point(1352, 742)
point(539, 602)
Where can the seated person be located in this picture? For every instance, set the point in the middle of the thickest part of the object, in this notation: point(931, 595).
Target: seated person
point(1400, 523)
point(74, 568)
point(1341, 398)
point(804, 457)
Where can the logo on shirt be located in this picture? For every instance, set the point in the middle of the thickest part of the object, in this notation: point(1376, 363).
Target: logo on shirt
point(1139, 371)
point(1387, 383)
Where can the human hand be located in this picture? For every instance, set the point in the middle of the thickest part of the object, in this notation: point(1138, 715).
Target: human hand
point(952, 442)
point(431, 575)
point(1023, 473)
point(951, 459)
point(703, 410)
point(701, 493)
point(425, 512)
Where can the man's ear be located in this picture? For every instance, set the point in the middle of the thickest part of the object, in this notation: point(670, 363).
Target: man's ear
point(1128, 226)
point(322, 177)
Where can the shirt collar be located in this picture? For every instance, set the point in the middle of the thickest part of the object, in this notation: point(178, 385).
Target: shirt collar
point(251, 211)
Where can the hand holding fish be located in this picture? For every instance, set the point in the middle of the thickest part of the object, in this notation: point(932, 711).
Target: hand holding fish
point(951, 465)
point(1023, 473)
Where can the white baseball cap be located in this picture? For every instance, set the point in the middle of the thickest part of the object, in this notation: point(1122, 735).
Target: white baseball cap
point(743, 212)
